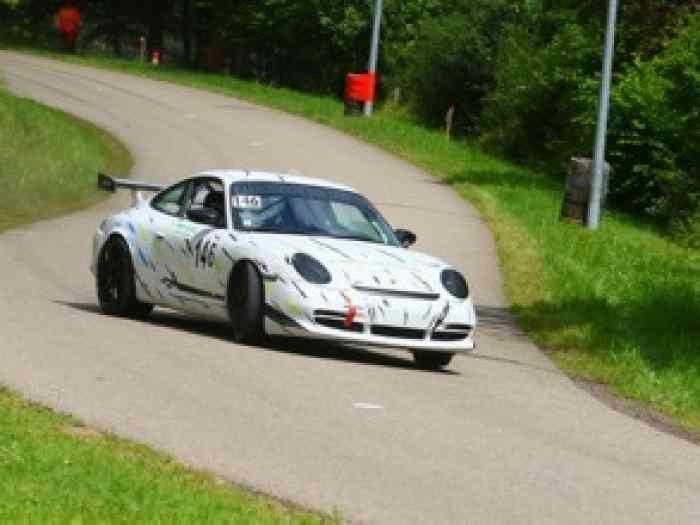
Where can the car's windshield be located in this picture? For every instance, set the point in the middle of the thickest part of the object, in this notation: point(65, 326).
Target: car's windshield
point(280, 207)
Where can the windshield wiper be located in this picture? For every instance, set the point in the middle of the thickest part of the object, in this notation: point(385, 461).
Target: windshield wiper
point(270, 229)
point(310, 233)
point(356, 238)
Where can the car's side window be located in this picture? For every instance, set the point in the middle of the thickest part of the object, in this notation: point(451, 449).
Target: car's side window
point(171, 201)
point(208, 193)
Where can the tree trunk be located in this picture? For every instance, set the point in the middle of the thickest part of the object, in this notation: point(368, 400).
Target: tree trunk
point(201, 18)
point(187, 30)
point(115, 29)
point(155, 18)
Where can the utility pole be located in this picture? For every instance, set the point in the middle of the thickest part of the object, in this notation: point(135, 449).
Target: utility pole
point(374, 49)
point(602, 125)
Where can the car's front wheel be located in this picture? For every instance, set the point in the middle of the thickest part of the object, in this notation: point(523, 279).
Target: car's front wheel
point(116, 292)
point(245, 304)
point(432, 360)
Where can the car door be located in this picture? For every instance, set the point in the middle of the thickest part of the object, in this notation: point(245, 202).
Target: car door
point(168, 249)
point(205, 245)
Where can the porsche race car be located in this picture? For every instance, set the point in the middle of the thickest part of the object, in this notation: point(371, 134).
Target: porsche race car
point(277, 254)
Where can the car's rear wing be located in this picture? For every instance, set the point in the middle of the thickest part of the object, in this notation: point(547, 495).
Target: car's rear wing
point(107, 183)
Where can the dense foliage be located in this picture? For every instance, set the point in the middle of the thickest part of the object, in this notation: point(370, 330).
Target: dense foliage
point(453, 63)
point(522, 75)
point(655, 130)
point(543, 105)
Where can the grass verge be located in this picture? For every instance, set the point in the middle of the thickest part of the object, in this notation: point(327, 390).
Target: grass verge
point(619, 306)
point(48, 161)
point(54, 471)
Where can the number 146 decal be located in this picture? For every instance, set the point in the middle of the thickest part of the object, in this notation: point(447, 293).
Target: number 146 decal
point(204, 254)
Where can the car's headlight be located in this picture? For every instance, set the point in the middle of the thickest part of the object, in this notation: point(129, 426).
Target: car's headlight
point(311, 269)
point(455, 283)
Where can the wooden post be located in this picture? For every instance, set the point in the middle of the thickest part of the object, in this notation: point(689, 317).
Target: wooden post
point(578, 189)
point(142, 48)
point(397, 96)
point(449, 118)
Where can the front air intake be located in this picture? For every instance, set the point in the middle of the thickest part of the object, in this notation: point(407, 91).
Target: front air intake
point(336, 319)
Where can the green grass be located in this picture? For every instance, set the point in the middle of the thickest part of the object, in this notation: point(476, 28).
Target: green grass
point(53, 471)
point(620, 306)
point(49, 160)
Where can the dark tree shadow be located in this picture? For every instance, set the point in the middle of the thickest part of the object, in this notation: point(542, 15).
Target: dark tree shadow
point(504, 176)
point(662, 324)
point(312, 348)
point(499, 319)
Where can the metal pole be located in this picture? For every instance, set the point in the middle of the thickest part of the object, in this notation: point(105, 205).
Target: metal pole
point(374, 48)
point(602, 125)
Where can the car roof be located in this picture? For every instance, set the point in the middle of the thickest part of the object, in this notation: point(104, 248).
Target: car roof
point(229, 176)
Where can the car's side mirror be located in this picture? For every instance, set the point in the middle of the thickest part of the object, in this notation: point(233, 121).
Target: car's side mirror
point(406, 238)
point(203, 216)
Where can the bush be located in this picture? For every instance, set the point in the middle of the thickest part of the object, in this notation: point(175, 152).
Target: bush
point(452, 64)
point(530, 115)
point(686, 232)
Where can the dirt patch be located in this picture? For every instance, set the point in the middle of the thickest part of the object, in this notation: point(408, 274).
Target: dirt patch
point(637, 410)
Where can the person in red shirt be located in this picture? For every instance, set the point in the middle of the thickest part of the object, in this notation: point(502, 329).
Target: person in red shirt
point(69, 22)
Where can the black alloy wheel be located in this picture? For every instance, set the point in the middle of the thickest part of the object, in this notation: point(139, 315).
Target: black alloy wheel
point(116, 291)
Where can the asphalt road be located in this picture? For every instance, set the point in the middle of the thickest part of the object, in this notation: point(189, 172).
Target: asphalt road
point(502, 437)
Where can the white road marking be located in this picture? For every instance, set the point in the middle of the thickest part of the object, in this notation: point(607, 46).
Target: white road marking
point(368, 406)
point(256, 144)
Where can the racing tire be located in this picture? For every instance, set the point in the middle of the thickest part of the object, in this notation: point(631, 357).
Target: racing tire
point(432, 360)
point(116, 291)
point(246, 300)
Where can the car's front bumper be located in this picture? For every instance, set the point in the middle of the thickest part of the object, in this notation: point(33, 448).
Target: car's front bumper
point(443, 324)
point(309, 330)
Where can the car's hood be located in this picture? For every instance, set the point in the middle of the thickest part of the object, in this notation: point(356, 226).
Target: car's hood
point(362, 264)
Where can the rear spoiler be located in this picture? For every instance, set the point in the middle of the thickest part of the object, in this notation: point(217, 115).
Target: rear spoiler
point(107, 183)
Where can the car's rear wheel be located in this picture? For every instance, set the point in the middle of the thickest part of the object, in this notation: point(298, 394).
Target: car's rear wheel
point(432, 360)
point(245, 304)
point(116, 291)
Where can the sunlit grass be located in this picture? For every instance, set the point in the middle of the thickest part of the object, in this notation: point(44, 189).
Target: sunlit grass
point(53, 471)
point(49, 161)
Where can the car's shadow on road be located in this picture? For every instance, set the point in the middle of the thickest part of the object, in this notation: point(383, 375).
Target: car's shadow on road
point(303, 347)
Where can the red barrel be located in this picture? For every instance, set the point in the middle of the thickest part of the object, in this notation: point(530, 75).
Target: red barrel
point(360, 87)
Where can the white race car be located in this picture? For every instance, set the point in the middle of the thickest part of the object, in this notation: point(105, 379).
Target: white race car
point(280, 255)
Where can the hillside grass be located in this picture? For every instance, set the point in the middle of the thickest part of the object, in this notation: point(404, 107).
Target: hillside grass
point(619, 306)
point(49, 161)
point(55, 471)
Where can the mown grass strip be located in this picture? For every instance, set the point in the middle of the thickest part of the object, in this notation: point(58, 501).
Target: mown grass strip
point(54, 471)
point(48, 161)
point(619, 306)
